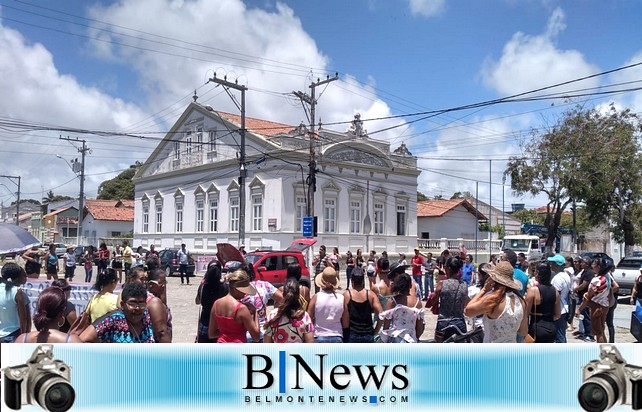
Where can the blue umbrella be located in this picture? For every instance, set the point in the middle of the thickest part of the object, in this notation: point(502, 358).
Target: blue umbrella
point(15, 239)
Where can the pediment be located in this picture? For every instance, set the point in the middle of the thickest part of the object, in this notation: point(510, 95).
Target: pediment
point(212, 189)
point(257, 183)
point(199, 190)
point(234, 186)
point(372, 157)
point(331, 186)
point(158, 196)
point(179, 193)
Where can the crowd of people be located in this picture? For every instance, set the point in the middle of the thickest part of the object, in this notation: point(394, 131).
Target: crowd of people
point(507, 300)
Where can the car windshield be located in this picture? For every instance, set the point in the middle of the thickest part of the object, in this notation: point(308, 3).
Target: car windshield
point(519, 245)
point(252, 258)
point(629, 264)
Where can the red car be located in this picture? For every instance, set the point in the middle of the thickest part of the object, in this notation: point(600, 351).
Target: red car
point(270, 265)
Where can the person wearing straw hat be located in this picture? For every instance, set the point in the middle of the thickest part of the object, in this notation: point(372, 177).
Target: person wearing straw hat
point(326, 308)
point(502, 309)
point(230, 319)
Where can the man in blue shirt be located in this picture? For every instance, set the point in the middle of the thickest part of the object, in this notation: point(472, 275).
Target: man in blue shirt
point(518, 274)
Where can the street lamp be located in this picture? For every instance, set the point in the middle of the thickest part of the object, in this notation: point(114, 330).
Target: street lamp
point(76, 168)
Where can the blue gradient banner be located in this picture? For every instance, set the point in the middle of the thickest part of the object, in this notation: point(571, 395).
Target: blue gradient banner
point(443, 377)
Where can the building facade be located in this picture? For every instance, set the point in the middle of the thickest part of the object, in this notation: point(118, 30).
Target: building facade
point(188, 190)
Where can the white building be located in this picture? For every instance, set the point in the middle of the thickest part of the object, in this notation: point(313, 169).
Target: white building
point(188, 189)
point(107, 220)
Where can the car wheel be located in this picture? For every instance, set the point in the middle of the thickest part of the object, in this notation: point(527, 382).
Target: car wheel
point(168, 271)
point(304, 282)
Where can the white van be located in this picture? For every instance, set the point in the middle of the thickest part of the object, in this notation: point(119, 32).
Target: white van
point(527, 244)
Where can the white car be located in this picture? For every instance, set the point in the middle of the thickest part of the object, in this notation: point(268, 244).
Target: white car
point(626, 272)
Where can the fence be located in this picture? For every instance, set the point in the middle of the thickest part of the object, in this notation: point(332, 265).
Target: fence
point(439, 245)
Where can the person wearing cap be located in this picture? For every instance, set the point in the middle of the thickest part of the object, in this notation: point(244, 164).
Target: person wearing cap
point(69, 259)
point(502, 309)
point(242, 250)
point(326, 308)
point(563, 283)
point(230, 319)
point(417, 262)
point(361, 305)
point(543, 306)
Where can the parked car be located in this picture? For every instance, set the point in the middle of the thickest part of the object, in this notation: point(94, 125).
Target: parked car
point(169, 263)
point(625, 273)
point(269, 265)
point(597, 255)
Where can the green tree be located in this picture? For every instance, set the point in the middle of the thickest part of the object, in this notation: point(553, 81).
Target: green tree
point(461, 195)
point(593, 157)
point(120, 187)
point(614, 188)
point(421, 197)
point(528, 216)
point(550, 164)
point(51, 197)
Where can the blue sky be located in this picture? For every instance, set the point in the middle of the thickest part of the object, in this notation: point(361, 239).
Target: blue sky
point(393, 57)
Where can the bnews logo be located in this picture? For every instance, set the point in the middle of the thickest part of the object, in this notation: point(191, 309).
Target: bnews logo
point(293, 372)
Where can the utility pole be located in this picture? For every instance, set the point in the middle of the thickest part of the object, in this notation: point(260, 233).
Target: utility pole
point(81, 200)
point(311, 100)
point(242, 171)
point(17, 197)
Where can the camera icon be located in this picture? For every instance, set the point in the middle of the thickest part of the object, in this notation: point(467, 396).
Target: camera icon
point(610, 381)
point(43, 380)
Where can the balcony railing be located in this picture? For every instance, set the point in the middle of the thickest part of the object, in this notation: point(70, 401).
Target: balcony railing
point(439, 245)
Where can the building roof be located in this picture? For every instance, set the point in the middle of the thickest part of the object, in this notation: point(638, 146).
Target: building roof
point(57, 211)
point(438, 208)
point(259, 126)
point(114, 210)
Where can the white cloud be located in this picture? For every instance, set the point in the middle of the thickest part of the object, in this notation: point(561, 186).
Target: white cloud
point(427, 8)
point(34, 90)
point(531, 62)
point(631, 76)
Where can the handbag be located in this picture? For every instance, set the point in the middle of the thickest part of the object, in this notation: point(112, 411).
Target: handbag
point(83, 321)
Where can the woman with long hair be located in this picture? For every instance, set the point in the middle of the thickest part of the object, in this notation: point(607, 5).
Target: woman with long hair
point(103, 257)
point(88, 263)
point(289, 323)
point(230, 319)
point(130, 323)
point(32, 262)
point(51, 263)
point(327, 310)
point(49, 318)
point(209, 291)
point(294, 272)
point(404, 315)
point(70, 311)
point(597, 298)
point(500, 305)
point(15, 316)
point(361, 305)
point(543, 306)
point(105, 300)
point(451, 294)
